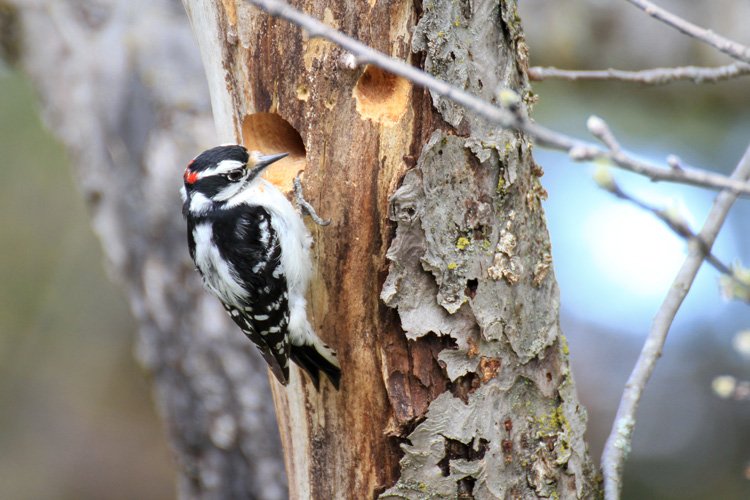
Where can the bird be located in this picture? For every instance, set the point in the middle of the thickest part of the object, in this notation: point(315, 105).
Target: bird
point(252, 250)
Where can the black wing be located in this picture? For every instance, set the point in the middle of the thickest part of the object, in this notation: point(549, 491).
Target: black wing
point(246, 238)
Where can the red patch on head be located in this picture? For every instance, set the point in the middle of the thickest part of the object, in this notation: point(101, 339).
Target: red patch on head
point(190, 177)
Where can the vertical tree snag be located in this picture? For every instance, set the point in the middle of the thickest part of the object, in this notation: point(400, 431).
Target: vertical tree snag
point(471, 374)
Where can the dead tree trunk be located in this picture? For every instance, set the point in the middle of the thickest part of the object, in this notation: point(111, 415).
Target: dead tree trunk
point(470, 375)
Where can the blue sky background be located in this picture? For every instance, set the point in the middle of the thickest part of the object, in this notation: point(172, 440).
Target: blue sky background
point(615, 263)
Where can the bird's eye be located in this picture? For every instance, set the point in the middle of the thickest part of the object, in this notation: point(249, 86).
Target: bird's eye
point(235, 175)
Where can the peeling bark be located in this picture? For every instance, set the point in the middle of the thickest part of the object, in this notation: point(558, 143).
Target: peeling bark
point(471, 260)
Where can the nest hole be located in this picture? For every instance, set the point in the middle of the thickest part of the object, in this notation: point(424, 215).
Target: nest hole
point(269, 133)
point(381, 96)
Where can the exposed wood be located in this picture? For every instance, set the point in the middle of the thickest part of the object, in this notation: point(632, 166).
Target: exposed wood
point(356, 126)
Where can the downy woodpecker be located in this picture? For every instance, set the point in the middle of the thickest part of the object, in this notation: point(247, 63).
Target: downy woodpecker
point(253, 251)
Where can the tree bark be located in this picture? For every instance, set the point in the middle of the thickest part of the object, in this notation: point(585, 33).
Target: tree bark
point(471, 376)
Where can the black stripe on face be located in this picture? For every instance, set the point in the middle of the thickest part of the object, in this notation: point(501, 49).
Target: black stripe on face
point(210, 186)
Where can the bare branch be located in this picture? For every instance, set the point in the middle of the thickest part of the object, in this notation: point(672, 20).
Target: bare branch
point(674, 162)
point(618, 444)
point(684, 174)
point(601, 131)
point(668, 216)
point(510, 116)
point(729, 47)
point(656, 76)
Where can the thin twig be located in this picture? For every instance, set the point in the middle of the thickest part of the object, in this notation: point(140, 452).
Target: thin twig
point(509, 117)
point(656, 76)
point(618, 444)
point(729, 47)
point(614, 155)
point(674, 221)
point(303, 206)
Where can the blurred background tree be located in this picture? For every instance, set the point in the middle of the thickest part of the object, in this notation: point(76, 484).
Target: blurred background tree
point(121, 85)
point(75, 418)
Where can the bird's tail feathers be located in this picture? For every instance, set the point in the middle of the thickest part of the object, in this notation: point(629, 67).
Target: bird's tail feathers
point(316, 358)
point(274, 362)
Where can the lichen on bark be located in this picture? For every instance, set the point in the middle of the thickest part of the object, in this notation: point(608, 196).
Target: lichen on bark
point(471, 260)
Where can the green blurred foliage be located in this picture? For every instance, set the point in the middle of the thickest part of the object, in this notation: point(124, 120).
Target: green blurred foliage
point(76, 417)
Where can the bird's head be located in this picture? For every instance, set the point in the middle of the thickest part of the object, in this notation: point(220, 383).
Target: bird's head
point(217, 175)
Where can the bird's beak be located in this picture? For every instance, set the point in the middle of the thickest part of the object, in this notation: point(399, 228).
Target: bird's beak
point(263, 162)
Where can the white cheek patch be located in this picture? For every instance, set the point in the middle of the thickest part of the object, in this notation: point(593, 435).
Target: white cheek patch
point(230, 191)
point(199, 203)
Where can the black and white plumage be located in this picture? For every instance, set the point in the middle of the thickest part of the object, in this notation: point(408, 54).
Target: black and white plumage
point(253, 251)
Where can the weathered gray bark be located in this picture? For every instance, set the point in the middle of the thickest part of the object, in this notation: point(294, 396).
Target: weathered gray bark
point(121, 84)
point(471, 259)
